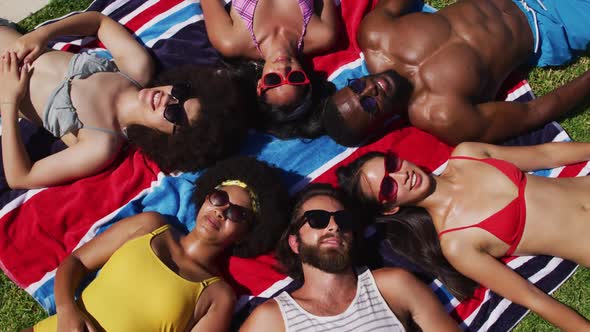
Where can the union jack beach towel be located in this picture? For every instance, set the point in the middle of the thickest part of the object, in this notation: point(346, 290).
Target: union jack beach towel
point(38, 228)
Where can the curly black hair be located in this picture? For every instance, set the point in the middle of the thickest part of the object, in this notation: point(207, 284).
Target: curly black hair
point(219, 129)
point(290, 261)
point(273, 199)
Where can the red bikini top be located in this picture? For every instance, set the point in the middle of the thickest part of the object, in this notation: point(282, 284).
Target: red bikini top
point(508, 223)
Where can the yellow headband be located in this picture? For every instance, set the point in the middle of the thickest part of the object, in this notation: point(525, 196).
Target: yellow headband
point(253, 196)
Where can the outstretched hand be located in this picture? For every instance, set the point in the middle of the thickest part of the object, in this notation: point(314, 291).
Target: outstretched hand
point(14, 79)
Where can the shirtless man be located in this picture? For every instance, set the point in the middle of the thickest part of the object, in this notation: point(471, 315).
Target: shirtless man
point(444, 69)
point(317, 248)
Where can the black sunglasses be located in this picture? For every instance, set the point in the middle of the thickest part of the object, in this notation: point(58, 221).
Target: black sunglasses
point(320, 219)
point(175, 113)
point(369, 103)
point(235, 213)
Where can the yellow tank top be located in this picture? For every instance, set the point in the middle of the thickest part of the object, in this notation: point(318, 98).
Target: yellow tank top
point(136, 291)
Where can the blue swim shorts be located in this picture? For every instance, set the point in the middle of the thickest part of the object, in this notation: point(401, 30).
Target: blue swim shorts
point(563, 29)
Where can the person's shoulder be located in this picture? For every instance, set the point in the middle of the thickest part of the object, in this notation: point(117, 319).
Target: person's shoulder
point(222, 293)
point(266, 316)
point(392, 275)
point(146, 222)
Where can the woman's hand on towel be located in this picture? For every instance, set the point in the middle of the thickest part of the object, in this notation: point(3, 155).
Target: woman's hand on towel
point(14, 79)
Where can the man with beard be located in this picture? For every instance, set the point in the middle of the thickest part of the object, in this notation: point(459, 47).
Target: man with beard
point(318, 249)
point(443, 70)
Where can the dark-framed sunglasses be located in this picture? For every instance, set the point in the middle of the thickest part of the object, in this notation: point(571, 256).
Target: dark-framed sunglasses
point(388, 188)
point(175, 113)
point(273, 80)
point(234, 212)
point(319, 219)
point(368, 103)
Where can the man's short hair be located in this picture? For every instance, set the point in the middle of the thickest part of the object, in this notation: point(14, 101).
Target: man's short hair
point(336, 126)
point(290, 261)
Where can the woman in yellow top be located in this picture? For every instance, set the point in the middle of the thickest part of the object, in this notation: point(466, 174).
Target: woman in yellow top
point(154, 277)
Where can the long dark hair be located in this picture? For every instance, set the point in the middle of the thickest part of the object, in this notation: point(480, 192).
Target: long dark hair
point(219, 129)
point(410, 232)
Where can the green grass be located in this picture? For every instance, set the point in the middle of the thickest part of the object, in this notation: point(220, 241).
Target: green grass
point(18, 310)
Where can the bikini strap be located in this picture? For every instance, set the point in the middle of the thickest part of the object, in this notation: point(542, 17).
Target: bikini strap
point(160, 229)
point(136, 83)
point(210, 281)
point(464, 158)
point(456, 229)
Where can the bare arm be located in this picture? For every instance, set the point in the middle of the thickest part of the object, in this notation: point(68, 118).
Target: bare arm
point(487, 270)
point(323, 29)
point(403, 292)
point(529, 158)
point(219, 313)
point(454, 119)
point(220, 28)
point(92, 153)
point(130, 56)
point(266, 317)
point(90, 257)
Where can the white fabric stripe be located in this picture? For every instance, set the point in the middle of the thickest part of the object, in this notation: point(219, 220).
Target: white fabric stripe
point(453, 302)
point(114, 6)
point(521, 91)
point(94, 228)
point(34, 286)
point(270, 291)
point(18, 201)
point(504, 303)
point(562, 137)
point(351, 65)
point(515, 263)
point(585, 170)
point(550, 292)
point(164, 15)
point(321, 170)
point(137, 11)
point(440, 168)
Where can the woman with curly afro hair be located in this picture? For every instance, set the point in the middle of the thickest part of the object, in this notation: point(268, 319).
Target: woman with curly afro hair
point(216, 131)
point(187, 119)
point(156, 278)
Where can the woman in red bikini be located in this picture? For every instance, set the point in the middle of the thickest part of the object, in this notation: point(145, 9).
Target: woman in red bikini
point(484, 206)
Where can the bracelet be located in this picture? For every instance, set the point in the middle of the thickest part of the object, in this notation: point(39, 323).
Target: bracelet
point(7, 103)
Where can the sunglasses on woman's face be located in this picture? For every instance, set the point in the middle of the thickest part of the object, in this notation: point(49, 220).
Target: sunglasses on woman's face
point(319, 219)
point(368, 103)
point(175, 113)
point(388, 188)
point(235, 213)
point(273, 80)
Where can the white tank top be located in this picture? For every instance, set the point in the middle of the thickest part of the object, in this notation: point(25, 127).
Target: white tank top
point(367, 312)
